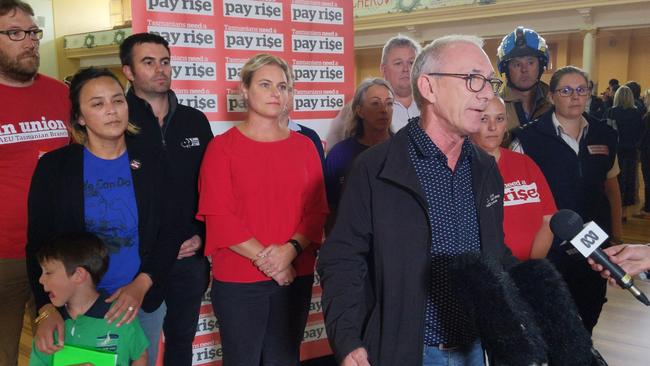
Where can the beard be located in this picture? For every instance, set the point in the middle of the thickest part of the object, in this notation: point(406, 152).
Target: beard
point(21, 68)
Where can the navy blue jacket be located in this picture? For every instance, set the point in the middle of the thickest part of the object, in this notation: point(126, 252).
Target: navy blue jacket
point(577, 181)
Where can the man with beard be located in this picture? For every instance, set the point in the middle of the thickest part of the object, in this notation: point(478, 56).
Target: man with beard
point(397, 58)
point(183, 132)
point(523, 57)
point(33, 121)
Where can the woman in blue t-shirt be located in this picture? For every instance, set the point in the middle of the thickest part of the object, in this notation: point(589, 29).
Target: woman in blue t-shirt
point(368, 125)
point(103, 185)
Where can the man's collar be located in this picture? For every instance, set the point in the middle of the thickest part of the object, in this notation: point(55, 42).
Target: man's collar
point(508, 94)
point(426, 147)
point(171, 98)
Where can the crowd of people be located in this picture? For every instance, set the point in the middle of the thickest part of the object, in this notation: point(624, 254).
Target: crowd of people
point(114, 200)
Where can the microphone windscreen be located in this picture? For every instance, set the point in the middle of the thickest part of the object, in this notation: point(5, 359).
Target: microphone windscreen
point(566, 224)
point(504, 321)
point(543, 288)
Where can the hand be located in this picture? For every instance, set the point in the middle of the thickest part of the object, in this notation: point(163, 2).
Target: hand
point(44, 337)
point(189, 247)
point(275, 258)
point(286, 277)
point(633, 259)
point(128, 300)
point(358, 357)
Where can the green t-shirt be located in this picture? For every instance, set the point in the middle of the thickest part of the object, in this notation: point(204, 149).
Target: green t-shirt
point(92, 331)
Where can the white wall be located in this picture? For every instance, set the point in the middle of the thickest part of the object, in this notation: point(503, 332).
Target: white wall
point(45, 20)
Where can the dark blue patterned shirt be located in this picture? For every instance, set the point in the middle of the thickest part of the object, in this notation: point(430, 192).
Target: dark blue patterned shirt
point(454, 230)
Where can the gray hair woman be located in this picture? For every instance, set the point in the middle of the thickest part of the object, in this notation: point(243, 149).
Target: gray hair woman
point(368, 124)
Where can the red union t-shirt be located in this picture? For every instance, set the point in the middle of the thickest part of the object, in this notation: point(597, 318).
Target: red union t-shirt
point(33, 121)
point(526, 200)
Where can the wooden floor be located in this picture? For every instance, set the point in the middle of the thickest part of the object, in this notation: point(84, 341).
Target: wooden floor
point(623, 331)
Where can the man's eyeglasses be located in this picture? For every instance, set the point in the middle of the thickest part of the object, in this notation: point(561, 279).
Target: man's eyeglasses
point(19, 34)
point(474, 82)
point(567, 91)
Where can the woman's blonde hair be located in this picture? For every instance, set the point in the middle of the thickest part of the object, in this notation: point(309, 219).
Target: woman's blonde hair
point(624, 98)
point(260, 60)
point(353, 123)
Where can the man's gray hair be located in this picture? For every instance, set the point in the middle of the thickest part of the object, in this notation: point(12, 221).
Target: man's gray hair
point(429, 59)
point(399, 41)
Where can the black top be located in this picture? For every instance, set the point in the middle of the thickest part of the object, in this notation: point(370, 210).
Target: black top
point(56, 207)
point(184, 136)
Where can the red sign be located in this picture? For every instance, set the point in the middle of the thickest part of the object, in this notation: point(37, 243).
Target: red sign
point(212, 39)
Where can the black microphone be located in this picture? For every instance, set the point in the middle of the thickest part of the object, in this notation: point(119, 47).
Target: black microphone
point(568, 225)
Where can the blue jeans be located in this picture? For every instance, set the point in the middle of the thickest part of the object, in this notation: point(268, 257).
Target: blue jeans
point(152, 325)
point(470, 355)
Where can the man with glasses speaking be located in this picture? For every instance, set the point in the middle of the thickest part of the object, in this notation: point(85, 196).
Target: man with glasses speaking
point(33, 117)
point(411, 205)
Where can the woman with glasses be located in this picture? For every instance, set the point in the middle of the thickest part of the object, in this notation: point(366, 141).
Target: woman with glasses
point(368, 125)
point(577, 155)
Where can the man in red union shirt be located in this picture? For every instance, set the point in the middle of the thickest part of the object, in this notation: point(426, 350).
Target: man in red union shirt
point(33, 120)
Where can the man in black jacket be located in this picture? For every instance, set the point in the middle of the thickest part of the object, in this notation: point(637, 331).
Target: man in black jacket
point(410, 206)
point(184, 133)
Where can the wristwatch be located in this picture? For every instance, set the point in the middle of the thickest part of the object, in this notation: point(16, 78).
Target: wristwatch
point(296, 245)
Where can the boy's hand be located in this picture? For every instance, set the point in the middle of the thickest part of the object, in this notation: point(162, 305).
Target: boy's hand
point(44, 337)
point(128, 300)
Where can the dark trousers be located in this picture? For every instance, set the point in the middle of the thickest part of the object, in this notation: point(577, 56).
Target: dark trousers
point(186, 285)
point(627, 159)
point(261, 323)
point(645, 170)
point(587, 288)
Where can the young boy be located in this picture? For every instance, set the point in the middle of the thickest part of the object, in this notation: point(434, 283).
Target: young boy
point(72, 266)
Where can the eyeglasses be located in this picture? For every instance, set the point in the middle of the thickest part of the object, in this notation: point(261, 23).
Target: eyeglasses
point(19, 34)
point(474, 82)
point(567, 91)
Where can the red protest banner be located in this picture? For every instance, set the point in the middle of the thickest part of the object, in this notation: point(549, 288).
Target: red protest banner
point(212, 39)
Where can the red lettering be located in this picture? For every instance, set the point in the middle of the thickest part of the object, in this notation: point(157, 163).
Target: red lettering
point(532, 193)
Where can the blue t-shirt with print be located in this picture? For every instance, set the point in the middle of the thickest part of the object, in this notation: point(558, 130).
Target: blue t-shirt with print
point(111, 213)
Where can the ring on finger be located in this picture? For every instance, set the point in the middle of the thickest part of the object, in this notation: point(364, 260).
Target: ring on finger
point(130, 308)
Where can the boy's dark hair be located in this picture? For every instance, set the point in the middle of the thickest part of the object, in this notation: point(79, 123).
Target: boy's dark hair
point(81, 249)
point(7, 6)
point(613, 82)
point(126, 48)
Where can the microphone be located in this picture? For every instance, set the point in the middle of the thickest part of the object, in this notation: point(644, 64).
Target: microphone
point(568, 226)
point(502, 318)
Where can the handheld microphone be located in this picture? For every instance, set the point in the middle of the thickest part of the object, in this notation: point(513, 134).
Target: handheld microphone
point(568, 226)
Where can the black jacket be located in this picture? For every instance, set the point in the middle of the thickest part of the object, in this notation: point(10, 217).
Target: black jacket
point(375, 265)
point(628, 123)
point(56, 207)
point(577, 181)
point(185, 135)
